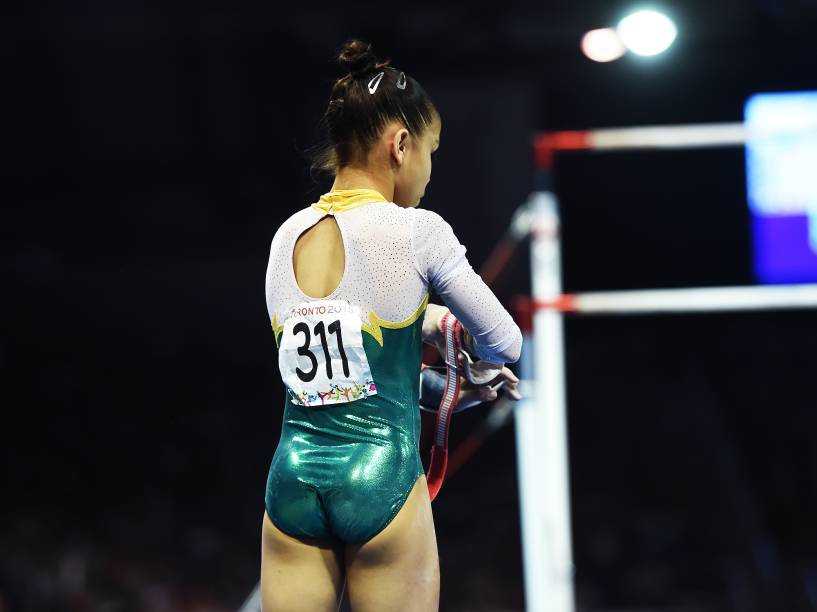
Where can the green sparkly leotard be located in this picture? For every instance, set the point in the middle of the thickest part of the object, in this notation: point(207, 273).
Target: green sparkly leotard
point(346, 469)
point(348, 456)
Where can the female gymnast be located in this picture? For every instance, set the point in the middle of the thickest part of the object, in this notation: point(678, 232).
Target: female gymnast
point(347, 291)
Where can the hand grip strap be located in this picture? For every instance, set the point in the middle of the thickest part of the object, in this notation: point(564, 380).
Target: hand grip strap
point(452, 331)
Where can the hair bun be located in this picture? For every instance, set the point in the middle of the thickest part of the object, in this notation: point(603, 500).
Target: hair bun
point(357, 57)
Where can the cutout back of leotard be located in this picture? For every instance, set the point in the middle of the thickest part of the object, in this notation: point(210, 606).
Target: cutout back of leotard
point(319, 258)
point(339, 249)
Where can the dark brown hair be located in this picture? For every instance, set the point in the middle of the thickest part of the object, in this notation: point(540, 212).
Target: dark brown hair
point(355, 117)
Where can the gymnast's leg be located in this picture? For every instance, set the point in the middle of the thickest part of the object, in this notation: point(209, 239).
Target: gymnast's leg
point(398, 569)
point(299, 575)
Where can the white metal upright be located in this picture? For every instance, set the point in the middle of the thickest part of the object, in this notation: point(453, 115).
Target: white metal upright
point(541, 429)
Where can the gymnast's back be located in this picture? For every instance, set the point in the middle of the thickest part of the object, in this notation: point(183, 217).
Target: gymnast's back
point(348, 453)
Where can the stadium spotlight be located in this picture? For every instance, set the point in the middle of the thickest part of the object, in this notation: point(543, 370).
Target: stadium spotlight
point(603, 45)
point(647, 32)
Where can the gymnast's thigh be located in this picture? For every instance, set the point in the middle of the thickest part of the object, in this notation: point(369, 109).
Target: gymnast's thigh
point(398, 569)
point(299, 574)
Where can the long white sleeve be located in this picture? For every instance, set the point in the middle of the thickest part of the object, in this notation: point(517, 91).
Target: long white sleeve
point(440, 260)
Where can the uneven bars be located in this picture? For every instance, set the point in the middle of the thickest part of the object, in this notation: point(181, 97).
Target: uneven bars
point(679, 301)
point(542, 462)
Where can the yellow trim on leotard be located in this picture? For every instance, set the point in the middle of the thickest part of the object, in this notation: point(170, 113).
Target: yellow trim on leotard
point(372, 328)
point(341, 200)
point(277, 328)
point(375, 322)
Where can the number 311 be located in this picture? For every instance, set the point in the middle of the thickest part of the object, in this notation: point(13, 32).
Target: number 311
point(320, 330)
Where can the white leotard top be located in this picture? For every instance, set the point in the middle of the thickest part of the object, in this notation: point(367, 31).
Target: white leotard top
point(394, 257)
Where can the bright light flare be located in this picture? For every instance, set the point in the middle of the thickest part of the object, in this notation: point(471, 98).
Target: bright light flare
point(603, 45)
point(647, 32)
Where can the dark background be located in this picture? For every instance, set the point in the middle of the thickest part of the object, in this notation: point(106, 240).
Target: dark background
point(150, 150)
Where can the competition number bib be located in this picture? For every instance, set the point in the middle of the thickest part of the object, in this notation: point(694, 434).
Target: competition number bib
point(321, 354)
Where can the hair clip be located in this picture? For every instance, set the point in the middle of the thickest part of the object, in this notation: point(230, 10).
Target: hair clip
point(375, 82)
point(401, 81)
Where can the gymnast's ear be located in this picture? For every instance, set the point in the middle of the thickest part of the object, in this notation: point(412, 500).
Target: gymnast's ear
point(397, 145)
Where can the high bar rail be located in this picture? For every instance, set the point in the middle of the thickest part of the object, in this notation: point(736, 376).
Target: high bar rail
point(681, 301)
point(692, 136)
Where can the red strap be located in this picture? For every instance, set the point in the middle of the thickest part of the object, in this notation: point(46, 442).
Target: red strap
point(452, 331)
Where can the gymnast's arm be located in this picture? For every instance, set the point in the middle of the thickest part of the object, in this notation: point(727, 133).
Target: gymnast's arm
point(440, 260)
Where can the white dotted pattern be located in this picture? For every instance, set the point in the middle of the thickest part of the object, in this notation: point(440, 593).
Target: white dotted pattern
point(393, 256)
point(442, 257)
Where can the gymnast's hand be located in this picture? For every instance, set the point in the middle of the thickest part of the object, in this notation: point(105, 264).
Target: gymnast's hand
point(433, 386)
point(472, 394)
